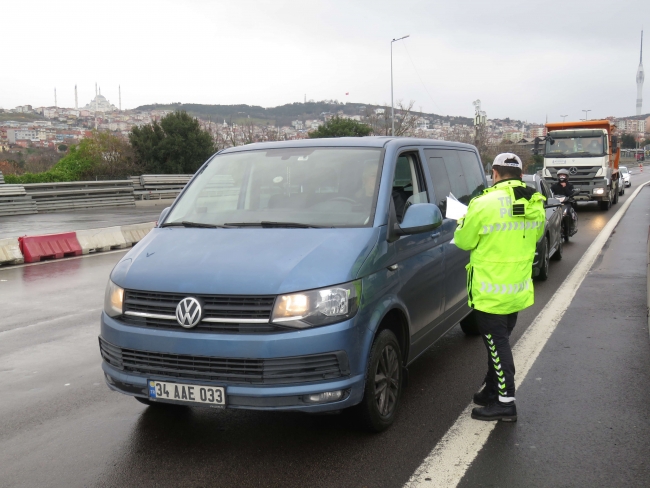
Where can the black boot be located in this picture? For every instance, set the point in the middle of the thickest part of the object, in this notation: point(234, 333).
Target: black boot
point(486, 396)
point(496, 411)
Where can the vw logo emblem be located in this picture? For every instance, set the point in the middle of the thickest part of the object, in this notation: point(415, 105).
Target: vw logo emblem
point(188, 312)
point(573, 170)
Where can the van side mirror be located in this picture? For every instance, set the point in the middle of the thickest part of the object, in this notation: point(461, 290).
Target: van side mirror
point(163, 215)
point(420, 217)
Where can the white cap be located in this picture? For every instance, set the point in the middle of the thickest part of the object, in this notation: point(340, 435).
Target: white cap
point(508, 159)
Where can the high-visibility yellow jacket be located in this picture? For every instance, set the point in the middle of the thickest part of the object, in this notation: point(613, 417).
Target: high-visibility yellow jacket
point(501, 229)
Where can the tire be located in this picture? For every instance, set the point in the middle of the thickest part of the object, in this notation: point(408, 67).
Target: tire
point(565, 231)
point(377, 410)
point(543, 270)
point(469, 325)
point(557, 255)
point(615, 200)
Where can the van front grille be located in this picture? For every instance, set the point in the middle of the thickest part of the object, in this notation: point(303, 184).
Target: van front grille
point(228, 314)
point(288, 370)
point(215, 306)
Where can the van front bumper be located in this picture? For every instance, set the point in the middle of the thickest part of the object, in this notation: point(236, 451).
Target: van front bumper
point(346, 340)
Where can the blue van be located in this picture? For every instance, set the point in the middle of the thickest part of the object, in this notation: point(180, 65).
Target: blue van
point(299, 275)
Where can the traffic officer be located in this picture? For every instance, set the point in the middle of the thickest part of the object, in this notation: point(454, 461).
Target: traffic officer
point(501, 229)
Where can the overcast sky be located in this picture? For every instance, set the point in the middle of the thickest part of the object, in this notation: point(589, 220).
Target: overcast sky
point(523, 60)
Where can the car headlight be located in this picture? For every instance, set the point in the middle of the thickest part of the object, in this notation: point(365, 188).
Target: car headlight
point(113, 299)
point(317, 307)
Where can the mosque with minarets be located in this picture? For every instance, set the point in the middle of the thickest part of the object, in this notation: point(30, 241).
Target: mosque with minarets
point(100, 103)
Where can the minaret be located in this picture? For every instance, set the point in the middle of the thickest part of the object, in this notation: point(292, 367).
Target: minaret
point(639, 82)
point(76, 100)
point(119, 90)
point(95, 88)
point(55, 105)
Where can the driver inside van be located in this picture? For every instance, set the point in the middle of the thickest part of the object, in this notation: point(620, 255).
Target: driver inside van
point(368, 181)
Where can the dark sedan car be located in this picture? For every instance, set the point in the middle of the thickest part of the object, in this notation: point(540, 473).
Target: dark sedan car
point(550, 245)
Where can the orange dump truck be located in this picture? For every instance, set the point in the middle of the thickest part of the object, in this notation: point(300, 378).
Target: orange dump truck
point(589, 150)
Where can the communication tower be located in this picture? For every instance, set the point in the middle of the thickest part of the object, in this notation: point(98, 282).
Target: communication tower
point(639, 82)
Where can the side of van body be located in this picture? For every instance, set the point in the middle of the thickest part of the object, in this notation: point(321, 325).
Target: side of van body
point(315, 314)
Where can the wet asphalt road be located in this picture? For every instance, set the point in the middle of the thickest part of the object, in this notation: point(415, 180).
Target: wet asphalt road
point(90, 218)
point(61, 426)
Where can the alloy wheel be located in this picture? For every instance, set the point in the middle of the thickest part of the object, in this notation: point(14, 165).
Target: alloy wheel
point(387, 381)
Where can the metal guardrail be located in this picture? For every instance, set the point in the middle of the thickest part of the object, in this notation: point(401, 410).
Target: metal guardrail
point(150, 187)
point(15, 201)
point(52, 197)
point(2, 179)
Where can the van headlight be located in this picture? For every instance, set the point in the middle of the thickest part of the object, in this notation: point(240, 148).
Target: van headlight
point(317, 307)
point(113, 299)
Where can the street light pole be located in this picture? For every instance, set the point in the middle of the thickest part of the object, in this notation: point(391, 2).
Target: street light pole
point(587, 114)
point(392, 105)
point(564, 117)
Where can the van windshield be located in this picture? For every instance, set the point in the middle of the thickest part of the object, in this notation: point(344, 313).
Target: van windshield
point(319, 187)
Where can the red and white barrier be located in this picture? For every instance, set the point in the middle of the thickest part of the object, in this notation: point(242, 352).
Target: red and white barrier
point(31, 249)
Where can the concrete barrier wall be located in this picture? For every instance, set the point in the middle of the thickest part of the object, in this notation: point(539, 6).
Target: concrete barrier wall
point(90, 241)
point(95, 240)
point(134, 233)
point(10, 251)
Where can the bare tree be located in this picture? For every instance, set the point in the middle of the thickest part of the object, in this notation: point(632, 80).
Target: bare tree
point(405, 120)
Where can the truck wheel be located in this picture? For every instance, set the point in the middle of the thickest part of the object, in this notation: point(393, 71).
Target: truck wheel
point(469, 325)
point(615, 200)
point(543, 270)
point(383, 387)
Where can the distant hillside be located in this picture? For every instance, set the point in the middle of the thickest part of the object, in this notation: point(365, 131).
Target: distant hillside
point(5, 116)
point(283, 114)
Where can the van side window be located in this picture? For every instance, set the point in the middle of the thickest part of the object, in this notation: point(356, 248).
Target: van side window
point(473, 172)
point(408, 184)
point(454, 169)
point(440, 180)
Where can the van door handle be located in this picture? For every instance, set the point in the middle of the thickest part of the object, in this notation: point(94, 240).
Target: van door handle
point(392, 267)
point(435, 236)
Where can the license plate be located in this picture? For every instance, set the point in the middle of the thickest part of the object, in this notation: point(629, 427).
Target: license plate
point(210, 395)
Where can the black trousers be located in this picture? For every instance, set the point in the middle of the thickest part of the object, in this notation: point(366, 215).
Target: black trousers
point(495, 330)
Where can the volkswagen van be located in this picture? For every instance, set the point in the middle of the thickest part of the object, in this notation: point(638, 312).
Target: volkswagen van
point(299, 275)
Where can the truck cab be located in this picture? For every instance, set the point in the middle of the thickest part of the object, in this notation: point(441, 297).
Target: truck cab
point(588, 150)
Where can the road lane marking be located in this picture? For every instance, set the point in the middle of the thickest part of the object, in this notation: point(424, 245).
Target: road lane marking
point(447, 463)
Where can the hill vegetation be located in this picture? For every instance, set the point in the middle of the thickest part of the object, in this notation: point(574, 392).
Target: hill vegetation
point(283, 115)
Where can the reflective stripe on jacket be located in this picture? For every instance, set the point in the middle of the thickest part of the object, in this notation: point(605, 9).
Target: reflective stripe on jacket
point(501, 229)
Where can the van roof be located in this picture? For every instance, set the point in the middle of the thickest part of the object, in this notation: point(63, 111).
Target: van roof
point(371, 141)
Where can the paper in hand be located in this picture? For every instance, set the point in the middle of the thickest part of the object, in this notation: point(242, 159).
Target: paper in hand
point(455, 209)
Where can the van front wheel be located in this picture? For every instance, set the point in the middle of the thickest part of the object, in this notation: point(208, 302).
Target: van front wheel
point(469, 326)
point(384, 382)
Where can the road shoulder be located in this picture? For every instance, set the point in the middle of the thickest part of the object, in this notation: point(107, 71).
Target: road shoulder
point(583, 416)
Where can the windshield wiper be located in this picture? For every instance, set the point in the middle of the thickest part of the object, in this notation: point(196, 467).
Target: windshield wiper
point(264, 223)
point(186, 223)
